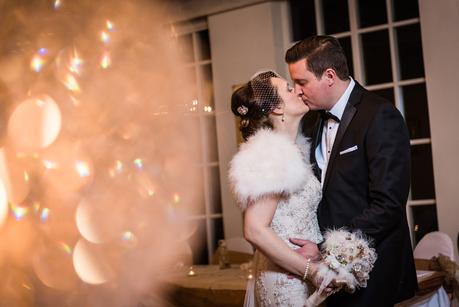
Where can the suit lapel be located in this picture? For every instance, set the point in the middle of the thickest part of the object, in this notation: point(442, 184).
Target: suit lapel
point(346, 119)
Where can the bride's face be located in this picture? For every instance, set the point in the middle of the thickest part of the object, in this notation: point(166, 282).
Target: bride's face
point(293, 104)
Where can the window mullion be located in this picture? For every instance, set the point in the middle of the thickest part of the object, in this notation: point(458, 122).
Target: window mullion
point(394, 60)
point(355, 42)
point(319, 17)
point(205, 149)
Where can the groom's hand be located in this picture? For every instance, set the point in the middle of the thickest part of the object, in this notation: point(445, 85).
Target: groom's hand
point(308, 249)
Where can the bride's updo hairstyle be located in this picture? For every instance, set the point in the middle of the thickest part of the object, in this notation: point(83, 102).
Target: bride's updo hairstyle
point(254, 101)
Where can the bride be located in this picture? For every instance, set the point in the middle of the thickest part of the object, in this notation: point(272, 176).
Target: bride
point(272, 178)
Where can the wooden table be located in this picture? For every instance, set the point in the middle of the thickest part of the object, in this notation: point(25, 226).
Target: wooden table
point(214, 287)
point(210, 286)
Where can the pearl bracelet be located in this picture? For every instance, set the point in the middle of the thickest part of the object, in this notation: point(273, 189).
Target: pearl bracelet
point(306, 270)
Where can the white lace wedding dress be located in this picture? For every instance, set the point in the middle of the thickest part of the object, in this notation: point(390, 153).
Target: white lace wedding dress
point(269, 163)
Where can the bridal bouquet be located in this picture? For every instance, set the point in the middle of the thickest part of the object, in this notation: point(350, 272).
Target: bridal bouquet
point(347, 259)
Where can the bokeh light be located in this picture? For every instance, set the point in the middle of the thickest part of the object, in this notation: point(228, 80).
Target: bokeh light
point(34, 124)
point(3, 204)
point(57, 4)
point(67, 162)
point(72, 84)
point(54, 267)
point(91, 264)
point(37, 63)
point(97, 222)
point(12, 170)
point(104, 37)
point(44, 215)
point(106, 61)
point(109, 25)
point(19, 211)
point(97, 167)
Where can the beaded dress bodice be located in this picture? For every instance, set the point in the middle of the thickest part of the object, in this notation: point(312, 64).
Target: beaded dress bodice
point(269, 163)
point(295, 217)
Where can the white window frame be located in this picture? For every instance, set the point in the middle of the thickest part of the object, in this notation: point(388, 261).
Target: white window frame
point(193, 27)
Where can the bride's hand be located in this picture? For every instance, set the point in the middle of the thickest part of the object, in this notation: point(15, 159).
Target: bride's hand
point(332, 287)
point(308, 249)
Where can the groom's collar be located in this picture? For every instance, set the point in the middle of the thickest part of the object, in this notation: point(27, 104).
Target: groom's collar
point(340, 105)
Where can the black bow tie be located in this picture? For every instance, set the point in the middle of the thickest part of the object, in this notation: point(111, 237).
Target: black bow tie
point(327, 115)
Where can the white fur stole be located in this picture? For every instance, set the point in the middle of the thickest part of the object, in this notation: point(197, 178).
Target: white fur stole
point(269, 163)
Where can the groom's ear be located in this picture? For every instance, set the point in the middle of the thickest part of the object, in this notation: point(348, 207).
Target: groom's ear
point(330, 76)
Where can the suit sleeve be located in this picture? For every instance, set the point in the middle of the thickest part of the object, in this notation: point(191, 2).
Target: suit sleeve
point(388, 157)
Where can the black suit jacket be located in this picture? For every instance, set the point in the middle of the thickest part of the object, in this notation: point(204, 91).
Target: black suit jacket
point(367, 189)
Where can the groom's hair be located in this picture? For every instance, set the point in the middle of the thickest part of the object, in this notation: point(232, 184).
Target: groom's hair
point(321, 52)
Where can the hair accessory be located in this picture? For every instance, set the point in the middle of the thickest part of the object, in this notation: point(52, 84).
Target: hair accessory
point(242, 110)
point(245, 122)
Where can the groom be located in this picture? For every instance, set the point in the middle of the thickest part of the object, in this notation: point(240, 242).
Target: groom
point(361, 154)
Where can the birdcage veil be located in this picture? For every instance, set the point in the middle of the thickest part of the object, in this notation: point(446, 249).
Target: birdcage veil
point(264, 93)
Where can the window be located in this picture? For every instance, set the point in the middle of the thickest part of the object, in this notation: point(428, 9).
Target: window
point(382, 41)
point(195, 52)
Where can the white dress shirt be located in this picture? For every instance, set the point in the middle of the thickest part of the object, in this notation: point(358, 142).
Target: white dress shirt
point(329, 131)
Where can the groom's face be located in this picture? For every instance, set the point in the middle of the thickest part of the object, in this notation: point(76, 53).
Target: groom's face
point(312, 90)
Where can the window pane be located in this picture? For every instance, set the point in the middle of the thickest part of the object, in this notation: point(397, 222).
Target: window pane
point(376, 57)
point(405, 9)
point(207, 92)
point(194, 143)
point(303, 18)
point(346, 44)
point(372, 12)
point(185, 45)
point(387, 93)
point(199, 208)
point(416, 110)
point(210, 138)
point(422, 180)
point(410, 52)
point(336, 16)
point(203, 45)
point(198, 243)
point(424, 220)
point(217, 232)
point(214, 190)
point(192, 95)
